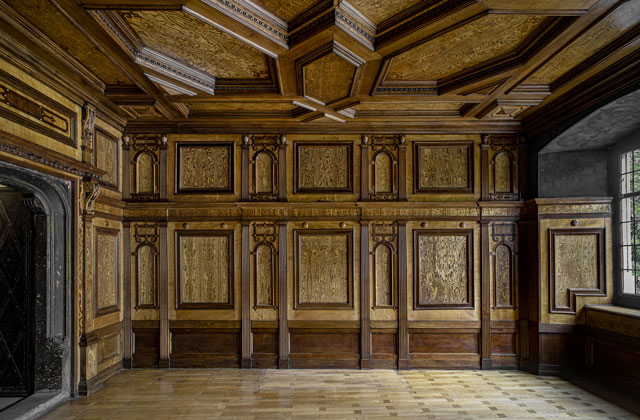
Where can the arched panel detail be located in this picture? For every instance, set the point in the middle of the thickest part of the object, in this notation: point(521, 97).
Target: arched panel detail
point(146, 257)
point(383, 269)
point(145, 174)
point(266, 175)
point(264, 276)
point(503, 276)
point(383, 173)
point(503, 173)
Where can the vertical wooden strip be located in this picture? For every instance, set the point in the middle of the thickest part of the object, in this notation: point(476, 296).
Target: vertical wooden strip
point(485, 290)
point(522, 170)
point(163, 299)
point(484, 167)
point(402, 170)
point(127, 351)
point(283, 303)
point(245, 169)
point(163, 187)
point(365, 328)
point(126, 170)
point(403, 330)
point(282, 169)
point(245, 363)
point(364, 168)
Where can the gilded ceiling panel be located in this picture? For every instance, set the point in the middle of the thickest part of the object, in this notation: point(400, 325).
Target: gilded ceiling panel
point(379, 11)
point(53, 24)
point(184, 38)
point(285, 9)
point(481, 40)
point(328, 78)
point(596, 38)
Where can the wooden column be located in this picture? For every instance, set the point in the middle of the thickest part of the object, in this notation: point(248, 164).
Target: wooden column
point(163, 298)
point(282, 168)
point(402, 169)
point(403, 330)
point(365, 327)
point(364, 169)
point(127, 351)
point(163, 187)
point(126, 168)
point(484, 168)
point(244, 192)
point(283, 303)
point(485, 296)
point(245, 363)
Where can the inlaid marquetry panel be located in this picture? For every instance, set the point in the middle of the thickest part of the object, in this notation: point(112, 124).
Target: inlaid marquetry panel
point(384, 239)
point(145, 165)
point(265, 254)
point(204, 269)
point(576, 266)
point(445, 167)
point(189, 40)
point(503, 241)
point(146, 258)
point(204, 168)
point(107, 158)
point(378, 11)
point(443, 268)
point(106, 274)
point(464, 47)
point(286, 9)
point(323, 167)
point(328, 78)
point(323, 269)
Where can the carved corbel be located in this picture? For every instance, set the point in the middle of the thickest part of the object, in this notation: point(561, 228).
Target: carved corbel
point(91, 191)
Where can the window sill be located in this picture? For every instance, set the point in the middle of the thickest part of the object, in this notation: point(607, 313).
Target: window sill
point(618, 319)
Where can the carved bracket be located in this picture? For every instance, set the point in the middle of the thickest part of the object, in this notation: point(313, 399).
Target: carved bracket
point(91, 191)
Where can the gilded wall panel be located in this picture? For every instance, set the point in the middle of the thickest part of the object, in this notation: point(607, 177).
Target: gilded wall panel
point(204, 269)
point(443, 269)
point(323, 167)
point(107, 158)
point(106, 271)
point(323, 269)
point(576, 266)
point(443, 167)
point(204, 168)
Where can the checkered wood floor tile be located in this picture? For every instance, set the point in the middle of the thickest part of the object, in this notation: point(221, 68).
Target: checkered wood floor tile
point(336, 394)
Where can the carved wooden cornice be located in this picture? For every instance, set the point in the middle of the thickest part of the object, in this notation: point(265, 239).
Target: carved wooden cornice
point(33, 152)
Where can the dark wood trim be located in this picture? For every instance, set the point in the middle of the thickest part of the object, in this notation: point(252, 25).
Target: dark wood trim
point(573, 293)
point(282, 169)
point(402, 169)
point(98, 312)
point(484, 168)
point(230, 235)
point(163, 296)
point(468, 233)
point(296, 166)
point(365, 305)
point(403, 309)
point(114, 140)
point(163, 181)
point(231, 173)
point(245, 362)
point(364, 169)
point(244, 191)
point(417, 145)
point(283, 303)
point(127, 344)
point(297, 234)
point(485, 297)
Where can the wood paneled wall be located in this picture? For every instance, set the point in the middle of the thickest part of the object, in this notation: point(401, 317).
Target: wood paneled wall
point(370, 251)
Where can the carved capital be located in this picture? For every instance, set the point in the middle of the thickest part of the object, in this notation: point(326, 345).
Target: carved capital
point(88, 125)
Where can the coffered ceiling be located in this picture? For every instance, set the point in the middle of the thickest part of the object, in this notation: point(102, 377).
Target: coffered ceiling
point(481, 65)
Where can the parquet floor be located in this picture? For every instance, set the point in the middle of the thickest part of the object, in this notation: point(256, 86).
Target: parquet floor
point(336, 394)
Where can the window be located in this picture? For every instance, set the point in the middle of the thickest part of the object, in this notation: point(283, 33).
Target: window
point(629, 219)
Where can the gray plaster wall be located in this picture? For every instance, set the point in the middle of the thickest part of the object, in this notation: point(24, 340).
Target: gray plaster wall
point(573, 174)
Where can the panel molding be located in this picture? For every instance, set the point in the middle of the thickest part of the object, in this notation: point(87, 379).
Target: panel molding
point(115, 233)
point(300, 188)
point(468, 186)
point(115, 171)
point(229, 188)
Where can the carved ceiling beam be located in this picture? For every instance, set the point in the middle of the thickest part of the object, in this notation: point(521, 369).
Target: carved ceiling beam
point(555, 8)
point(84, 22)
point(272, 97)
point(133, 4)
point(544, 54)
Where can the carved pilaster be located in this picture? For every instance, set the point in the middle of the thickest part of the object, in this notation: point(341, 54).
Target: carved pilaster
point(245, 362)
point(283, 327)
point(365, 327)
point(403, 328)
point(88, 132)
